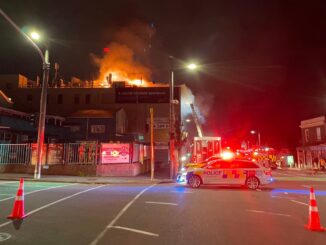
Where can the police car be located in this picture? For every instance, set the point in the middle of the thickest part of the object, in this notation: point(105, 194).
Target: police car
point(229, 172)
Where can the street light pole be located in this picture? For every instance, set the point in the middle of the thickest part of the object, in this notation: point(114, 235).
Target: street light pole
point(258, 134)
point(46, 68)
point(41, 122)
point(172, 127)
point(259, 139)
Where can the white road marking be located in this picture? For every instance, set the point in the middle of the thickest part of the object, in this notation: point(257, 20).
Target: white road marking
point(31, 192)
point(286, 193)
point(264, 212)
point(302, 203)
point(281, 197)
point(4, 236)
point(135, 230)
point(163, 203)
point(125, 208)
point(55, 202)
point(6, 194)
point(7, 182)
point(309, 186)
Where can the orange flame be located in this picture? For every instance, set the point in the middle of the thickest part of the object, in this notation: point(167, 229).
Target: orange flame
point(119, 65)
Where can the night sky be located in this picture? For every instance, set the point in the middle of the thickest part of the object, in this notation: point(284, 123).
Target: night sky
point(263, 63)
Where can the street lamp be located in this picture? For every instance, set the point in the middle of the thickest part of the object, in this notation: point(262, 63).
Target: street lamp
point(258, 133)
point(46, 69)
point(173, 164)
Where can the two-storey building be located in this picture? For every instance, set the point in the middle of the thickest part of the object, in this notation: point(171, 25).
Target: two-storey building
point(313, 140)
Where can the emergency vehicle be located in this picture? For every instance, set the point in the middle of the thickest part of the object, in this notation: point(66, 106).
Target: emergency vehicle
point(229, 172)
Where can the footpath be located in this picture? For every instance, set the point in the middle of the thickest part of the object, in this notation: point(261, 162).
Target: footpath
point(141, 179)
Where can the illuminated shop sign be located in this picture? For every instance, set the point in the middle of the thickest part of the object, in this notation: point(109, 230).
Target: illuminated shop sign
point(115, 153)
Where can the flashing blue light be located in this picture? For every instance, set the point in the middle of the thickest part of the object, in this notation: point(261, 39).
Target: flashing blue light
point(299, 192)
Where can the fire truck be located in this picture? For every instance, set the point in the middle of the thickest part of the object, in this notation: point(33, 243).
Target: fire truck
point(204, 146)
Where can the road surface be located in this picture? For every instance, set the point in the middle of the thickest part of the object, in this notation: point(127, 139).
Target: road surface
point(166, 213)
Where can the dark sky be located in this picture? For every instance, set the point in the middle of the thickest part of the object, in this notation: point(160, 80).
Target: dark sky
point(263, 62)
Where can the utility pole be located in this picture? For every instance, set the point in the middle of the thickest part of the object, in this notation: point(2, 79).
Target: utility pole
point(172, 129)
point(151, 112)
point(46, 69)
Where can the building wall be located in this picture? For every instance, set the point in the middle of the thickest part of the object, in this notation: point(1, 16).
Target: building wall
point(65, 101)
point(91, 129)
point(313, 131)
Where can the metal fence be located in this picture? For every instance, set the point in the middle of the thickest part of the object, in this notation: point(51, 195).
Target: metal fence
point(15, 154)
point(80, 153)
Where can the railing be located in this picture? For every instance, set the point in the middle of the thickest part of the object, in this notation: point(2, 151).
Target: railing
point(15, 154)
point(80, 153)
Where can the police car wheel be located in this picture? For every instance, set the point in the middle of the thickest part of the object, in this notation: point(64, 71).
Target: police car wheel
point(194, 181)
point(252, 183)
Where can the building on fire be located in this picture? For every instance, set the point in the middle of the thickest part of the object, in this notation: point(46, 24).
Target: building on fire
point(88, 112)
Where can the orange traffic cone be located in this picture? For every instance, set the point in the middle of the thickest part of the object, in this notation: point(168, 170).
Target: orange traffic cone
point(18, 210)
point(314, 221)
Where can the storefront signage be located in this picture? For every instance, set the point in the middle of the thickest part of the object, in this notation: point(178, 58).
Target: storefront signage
point(115, 153)
point(144, 95)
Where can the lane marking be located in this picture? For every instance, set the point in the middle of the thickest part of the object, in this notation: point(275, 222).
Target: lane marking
point(31, 192)
point(281, 197)
point(135, 230)
point(302, 203)
point(4, 236)
point(163, 203)
point(264, 212)
point(55, 202)
point(122, 211)
point(8, 182)
point(1, 194)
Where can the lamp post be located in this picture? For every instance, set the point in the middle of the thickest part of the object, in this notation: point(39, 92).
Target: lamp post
point(46, 69)
point(258, 134)
point(172, 102)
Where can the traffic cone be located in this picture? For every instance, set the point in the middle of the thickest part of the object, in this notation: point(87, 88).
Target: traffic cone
point(18, 210)
point(314, 221)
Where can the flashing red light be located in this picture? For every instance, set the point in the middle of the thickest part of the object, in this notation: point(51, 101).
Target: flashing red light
point(227, 155)
point(106, 50)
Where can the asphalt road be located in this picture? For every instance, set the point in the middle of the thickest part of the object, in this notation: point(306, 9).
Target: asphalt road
point(61, 213)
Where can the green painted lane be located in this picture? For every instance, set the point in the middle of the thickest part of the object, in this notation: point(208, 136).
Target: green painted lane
point(8, 189)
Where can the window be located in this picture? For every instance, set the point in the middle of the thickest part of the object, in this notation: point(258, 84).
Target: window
point(87, 99)
point(97, 129)
point(29, 98)
point(8, 86)
point(77, 99)
point(105, 99)
point(244, 164)
point(306, 134)
point(318, 134)
point(60, 99)
point(219, 164)
point(74, 128)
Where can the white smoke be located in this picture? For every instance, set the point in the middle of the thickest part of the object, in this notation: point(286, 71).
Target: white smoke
point(188, 98)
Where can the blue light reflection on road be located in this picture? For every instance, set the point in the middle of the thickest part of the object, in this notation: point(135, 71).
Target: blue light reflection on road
point(298, 192)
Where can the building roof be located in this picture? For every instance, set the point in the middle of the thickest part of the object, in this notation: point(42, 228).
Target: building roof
point(92, 114)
